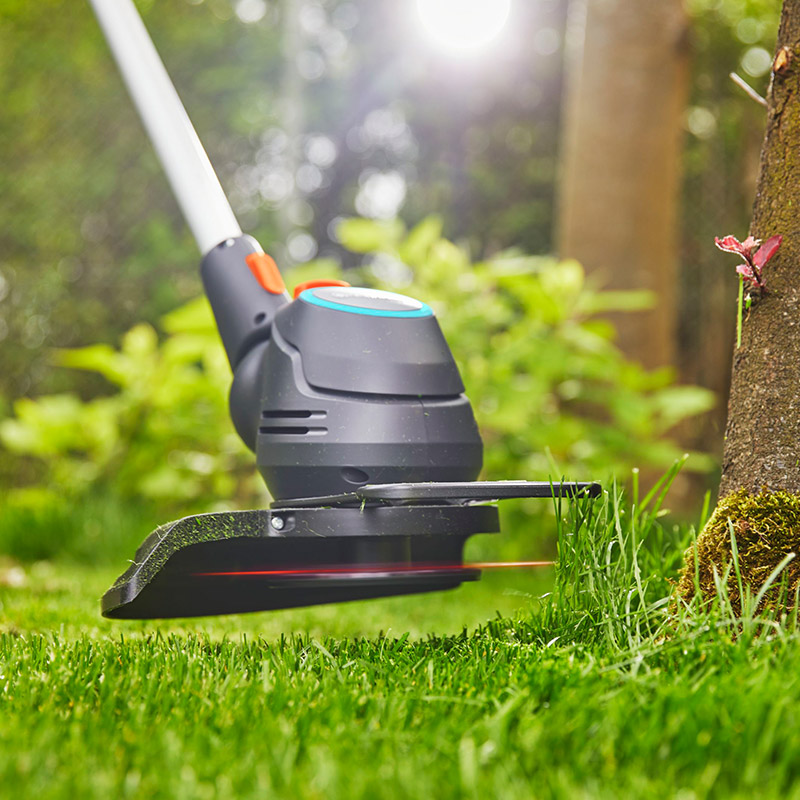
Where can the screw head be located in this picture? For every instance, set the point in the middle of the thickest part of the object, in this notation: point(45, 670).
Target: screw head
point(277, 523)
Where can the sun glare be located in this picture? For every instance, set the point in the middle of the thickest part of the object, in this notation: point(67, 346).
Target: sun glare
point(463, 26)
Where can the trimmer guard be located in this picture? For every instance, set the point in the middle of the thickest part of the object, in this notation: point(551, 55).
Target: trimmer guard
point(377, 541)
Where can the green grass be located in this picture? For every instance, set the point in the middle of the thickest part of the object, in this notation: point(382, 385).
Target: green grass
point(601, 689)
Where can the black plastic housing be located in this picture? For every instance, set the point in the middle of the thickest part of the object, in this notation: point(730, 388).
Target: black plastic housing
point(243, 309)
point(241, 561)
point(404, 417)
point(341, 387)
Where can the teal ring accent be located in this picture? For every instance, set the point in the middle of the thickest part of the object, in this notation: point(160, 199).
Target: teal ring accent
point(309, 297)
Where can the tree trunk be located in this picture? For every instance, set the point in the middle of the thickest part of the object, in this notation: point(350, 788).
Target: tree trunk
point(762, 441)
point(759, 502)
point(622, 160)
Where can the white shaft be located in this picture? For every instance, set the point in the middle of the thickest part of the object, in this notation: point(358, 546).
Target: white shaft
point(188, 169)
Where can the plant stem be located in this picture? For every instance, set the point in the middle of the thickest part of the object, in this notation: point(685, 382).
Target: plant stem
point(739, 315)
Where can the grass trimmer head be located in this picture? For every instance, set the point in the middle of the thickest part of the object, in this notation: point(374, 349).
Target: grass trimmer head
point(350, 399)
point(381, 540)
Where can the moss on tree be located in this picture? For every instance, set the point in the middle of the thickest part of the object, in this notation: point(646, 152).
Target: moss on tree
point(766, 527)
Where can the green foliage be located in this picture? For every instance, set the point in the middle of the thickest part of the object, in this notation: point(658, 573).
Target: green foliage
point(92, 240)
point(552, 393)
point(97, 528)
point(163, 434)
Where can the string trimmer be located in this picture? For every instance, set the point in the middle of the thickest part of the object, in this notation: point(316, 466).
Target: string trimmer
point(349, 398)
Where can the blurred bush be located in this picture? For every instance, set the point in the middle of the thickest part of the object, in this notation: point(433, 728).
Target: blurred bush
point(162, 435)
point(552, 393)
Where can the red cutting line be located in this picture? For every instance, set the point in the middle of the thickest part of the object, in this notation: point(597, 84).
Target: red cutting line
point(381, 569)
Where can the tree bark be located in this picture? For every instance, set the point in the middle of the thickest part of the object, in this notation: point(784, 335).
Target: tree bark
point(762, 442)
point(622, 160)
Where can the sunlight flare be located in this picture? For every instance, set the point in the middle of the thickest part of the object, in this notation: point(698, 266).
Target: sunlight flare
point(463, 26)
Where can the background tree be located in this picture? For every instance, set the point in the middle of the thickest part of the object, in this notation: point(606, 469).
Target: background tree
point(622, 160)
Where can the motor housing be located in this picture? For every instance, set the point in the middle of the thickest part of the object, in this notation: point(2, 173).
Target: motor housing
point(359, 386)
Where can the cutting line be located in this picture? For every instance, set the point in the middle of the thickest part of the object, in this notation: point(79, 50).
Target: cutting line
point(381, 569)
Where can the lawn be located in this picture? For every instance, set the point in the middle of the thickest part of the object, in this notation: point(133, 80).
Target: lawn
point(599, 689)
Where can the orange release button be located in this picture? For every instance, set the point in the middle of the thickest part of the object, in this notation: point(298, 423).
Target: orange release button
point(301, 287)
point(266, 272)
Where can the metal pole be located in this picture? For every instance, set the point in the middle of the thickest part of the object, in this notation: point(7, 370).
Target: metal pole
point(196, 186)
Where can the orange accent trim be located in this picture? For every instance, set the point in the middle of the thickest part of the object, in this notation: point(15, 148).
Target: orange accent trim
point(266, 272)
point(301, 287)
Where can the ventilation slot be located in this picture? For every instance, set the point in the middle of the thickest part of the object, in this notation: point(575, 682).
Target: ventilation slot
point(293, 414)
point(292, 430)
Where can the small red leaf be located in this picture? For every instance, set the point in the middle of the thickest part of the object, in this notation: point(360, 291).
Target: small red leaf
point(746, 272)
point(750, 244)
point(730, 244)
point(767, 250)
